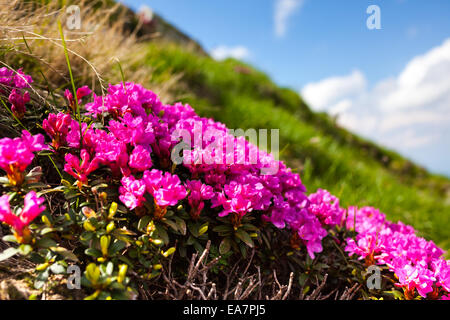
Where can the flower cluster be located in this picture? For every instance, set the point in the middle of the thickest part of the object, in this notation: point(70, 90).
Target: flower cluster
point(130, 134)
point(137, 144)
point(16, 154)
point(31, 209)
point(416, 262)
point(13, 81)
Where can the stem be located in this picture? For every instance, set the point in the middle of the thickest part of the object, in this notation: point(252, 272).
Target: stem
point(14, 116)
point(71, 80)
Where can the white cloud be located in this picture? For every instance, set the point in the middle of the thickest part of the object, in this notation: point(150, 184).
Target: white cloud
point(223, 52)
point(325, 93)
point(407, 112)
point(283, 10)
point(424, 81)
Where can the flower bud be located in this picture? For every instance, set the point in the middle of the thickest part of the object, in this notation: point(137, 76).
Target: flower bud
point(104, 244)
point(157, 242)
point(92, 273)
point(203, 229)
point(110, 227)
point(88, 212)
point(112, 210)
point(168, 252)
point(46, 221)
point(42, 266)
point(151, 227)
point(88, 226)
point(122, 273)
point(103, 196)
point(157, 266)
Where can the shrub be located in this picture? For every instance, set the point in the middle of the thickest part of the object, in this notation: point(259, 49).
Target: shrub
point(112, 200)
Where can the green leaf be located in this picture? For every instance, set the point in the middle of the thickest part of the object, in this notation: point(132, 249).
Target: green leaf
point(116, 247)
point(190, 240)
point(109, 268)
point(162, 233)
point(8, 253)
point(10, 238)
point(56, 268)
point(36, 258)
point(93, 252)
point(243, 250)
point(302, 279)
point(143, 222)
point(306, 290)
point(193, 228)
point(222, 228)
point(250, 227)
point(180, 224)
point(171, 224)
point(46, 243)
point(38, 284)
point(225, 245)
point(198, 246)
point(67, 254)
point(47, 230)
point(397, 294)
point(245, 237)
point(25, 249)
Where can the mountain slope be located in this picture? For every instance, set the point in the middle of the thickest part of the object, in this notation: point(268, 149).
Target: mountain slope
point(327, 156)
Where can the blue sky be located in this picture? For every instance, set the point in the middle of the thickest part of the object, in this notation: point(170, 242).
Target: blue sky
point(390, 84)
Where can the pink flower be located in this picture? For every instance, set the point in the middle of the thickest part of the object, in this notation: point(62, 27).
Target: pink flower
point(140, 159)
point(57, 126)
point(33, 143)
point(442, 273)
point(198, 193)
point(22, 80)
point(133, 130)
point(68, 95)
point(415, 277)
point(166, 189)
point(132, 192)
point(236, 198)
point(81, 92)
point(31, 209)
point(73, 136)
point(16, 154)
point(78, 170)
point(110, 152)
point(18, 102)
point(367, 247)
point(326, 207)
point(17, 79)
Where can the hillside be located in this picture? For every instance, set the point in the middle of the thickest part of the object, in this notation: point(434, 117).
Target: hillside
point(326, 155)
point(89, 180)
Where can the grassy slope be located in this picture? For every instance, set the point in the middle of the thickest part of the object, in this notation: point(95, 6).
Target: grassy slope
point(357, 171)
point(326, 156)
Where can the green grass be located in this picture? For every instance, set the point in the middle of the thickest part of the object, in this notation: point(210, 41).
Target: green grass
point(326, 156)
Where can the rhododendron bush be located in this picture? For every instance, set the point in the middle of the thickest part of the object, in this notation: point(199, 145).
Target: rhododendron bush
point(102, 191)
